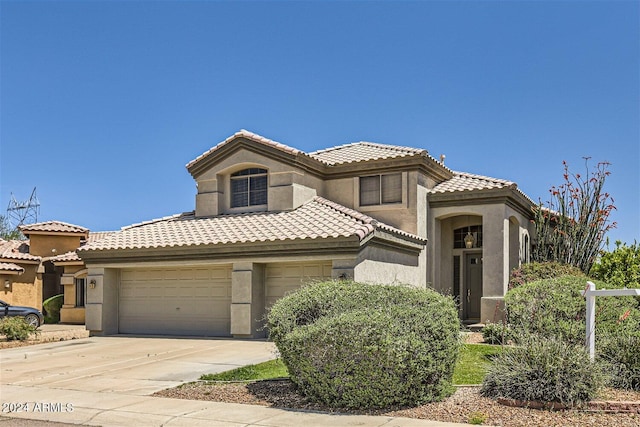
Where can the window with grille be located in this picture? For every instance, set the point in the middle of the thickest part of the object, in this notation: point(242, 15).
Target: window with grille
point(249, 188)
point(80, 292)
point(380, 189)
point(460, 233)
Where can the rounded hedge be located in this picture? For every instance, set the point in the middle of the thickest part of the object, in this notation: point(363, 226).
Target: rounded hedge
point(534, 271)
point(356, 345)
point(557, 308)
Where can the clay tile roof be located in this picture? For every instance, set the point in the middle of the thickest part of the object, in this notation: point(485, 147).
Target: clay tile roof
point(53, 226)
point(7, 266)
point(316, 219)
point(363, 151)
point(16, 250)
point(462, 181)
point(72, 256)
point(249, 135)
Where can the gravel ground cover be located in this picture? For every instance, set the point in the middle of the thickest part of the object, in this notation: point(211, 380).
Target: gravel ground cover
point(460, 407)
point(465, 403)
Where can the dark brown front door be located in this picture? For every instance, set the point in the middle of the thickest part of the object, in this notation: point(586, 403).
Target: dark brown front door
point(473, 285)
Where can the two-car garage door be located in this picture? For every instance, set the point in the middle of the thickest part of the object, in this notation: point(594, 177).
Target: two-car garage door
point(176, 301)
point(197, 301)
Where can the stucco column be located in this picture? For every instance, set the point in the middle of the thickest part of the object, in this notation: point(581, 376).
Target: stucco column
point(68, 281)
point(101, 305)
point(495, 263)
point(247, 300)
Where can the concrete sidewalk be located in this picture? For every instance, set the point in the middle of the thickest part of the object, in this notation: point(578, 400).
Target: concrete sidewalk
point(107, 409)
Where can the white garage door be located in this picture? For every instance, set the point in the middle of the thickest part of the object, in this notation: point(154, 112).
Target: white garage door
point(280, 279)
point(176, 301)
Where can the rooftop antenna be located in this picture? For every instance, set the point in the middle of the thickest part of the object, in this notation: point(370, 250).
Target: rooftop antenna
point(20, 213)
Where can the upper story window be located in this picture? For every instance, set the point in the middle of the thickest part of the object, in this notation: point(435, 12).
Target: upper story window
point(249, 188)
point(380, 189)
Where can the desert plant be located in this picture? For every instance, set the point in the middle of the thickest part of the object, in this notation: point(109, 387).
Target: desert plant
point(557, 308)
point(356, 345)
point(497, 333)
point(545, 370)
point(52, 308)
point(534, 271)
point(620, 354)
point(477, 418)
point(571, 227)
point(15, 328)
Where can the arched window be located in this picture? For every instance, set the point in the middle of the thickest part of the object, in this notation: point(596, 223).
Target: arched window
point(249, 188)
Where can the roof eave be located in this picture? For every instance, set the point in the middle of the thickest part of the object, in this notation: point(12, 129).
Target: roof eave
point(510, 196)
point(299, 159)
point(310, 246)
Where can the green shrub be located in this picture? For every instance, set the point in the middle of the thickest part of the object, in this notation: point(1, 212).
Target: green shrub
point(52, 308)
point(535, 271)
point(477, 418)
point(557, 308)
point(621, 267)
point(546, 370)
point(497, 333)
point(621, 355)
point(15, 328)
point(355, 345)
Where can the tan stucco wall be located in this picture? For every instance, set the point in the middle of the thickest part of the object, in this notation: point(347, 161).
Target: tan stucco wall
point(101, 307)
point(69, 313)
point(408, 215)
point(385, 266)
point(288, 186)
point(24, 289)
point(42, 244)
point(72, 315)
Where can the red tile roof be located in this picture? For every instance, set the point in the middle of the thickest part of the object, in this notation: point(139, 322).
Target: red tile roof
point(466, 182)
point(363, 151)
point(53, 227)
point(10, 267)
point(317, 219)
point(16, 250)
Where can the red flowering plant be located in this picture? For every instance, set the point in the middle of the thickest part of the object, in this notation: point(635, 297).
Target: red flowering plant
point(570, 228)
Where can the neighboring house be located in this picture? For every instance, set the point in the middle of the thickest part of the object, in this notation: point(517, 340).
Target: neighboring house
point(73, 278)
point(27, 274)
point(269, 217)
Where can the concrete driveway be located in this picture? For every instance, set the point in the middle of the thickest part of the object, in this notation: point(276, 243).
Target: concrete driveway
point(129, 365)
point(106, 381)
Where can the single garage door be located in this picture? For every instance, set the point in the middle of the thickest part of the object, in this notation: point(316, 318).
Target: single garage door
point(176, 301)
point(282, 278)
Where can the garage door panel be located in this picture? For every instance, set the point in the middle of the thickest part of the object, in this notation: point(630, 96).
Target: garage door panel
point(281, 279)
point(175, 301)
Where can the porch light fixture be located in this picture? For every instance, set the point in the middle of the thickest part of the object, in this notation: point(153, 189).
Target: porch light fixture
point(469, 240)
point(7, 284)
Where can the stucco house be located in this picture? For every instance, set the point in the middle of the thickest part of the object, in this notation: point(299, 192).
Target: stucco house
point(27, 272)
point(269, 217)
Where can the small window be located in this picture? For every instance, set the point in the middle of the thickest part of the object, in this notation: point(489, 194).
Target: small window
point(460, 234)
point(380, 189)
point(249, 188)
point(80, 292)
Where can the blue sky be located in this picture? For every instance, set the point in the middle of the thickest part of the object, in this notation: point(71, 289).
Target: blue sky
point(103, 103)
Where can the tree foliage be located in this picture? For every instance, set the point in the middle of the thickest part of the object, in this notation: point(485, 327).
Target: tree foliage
point(571, 227)
point(6, 231)
point(620, 267)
